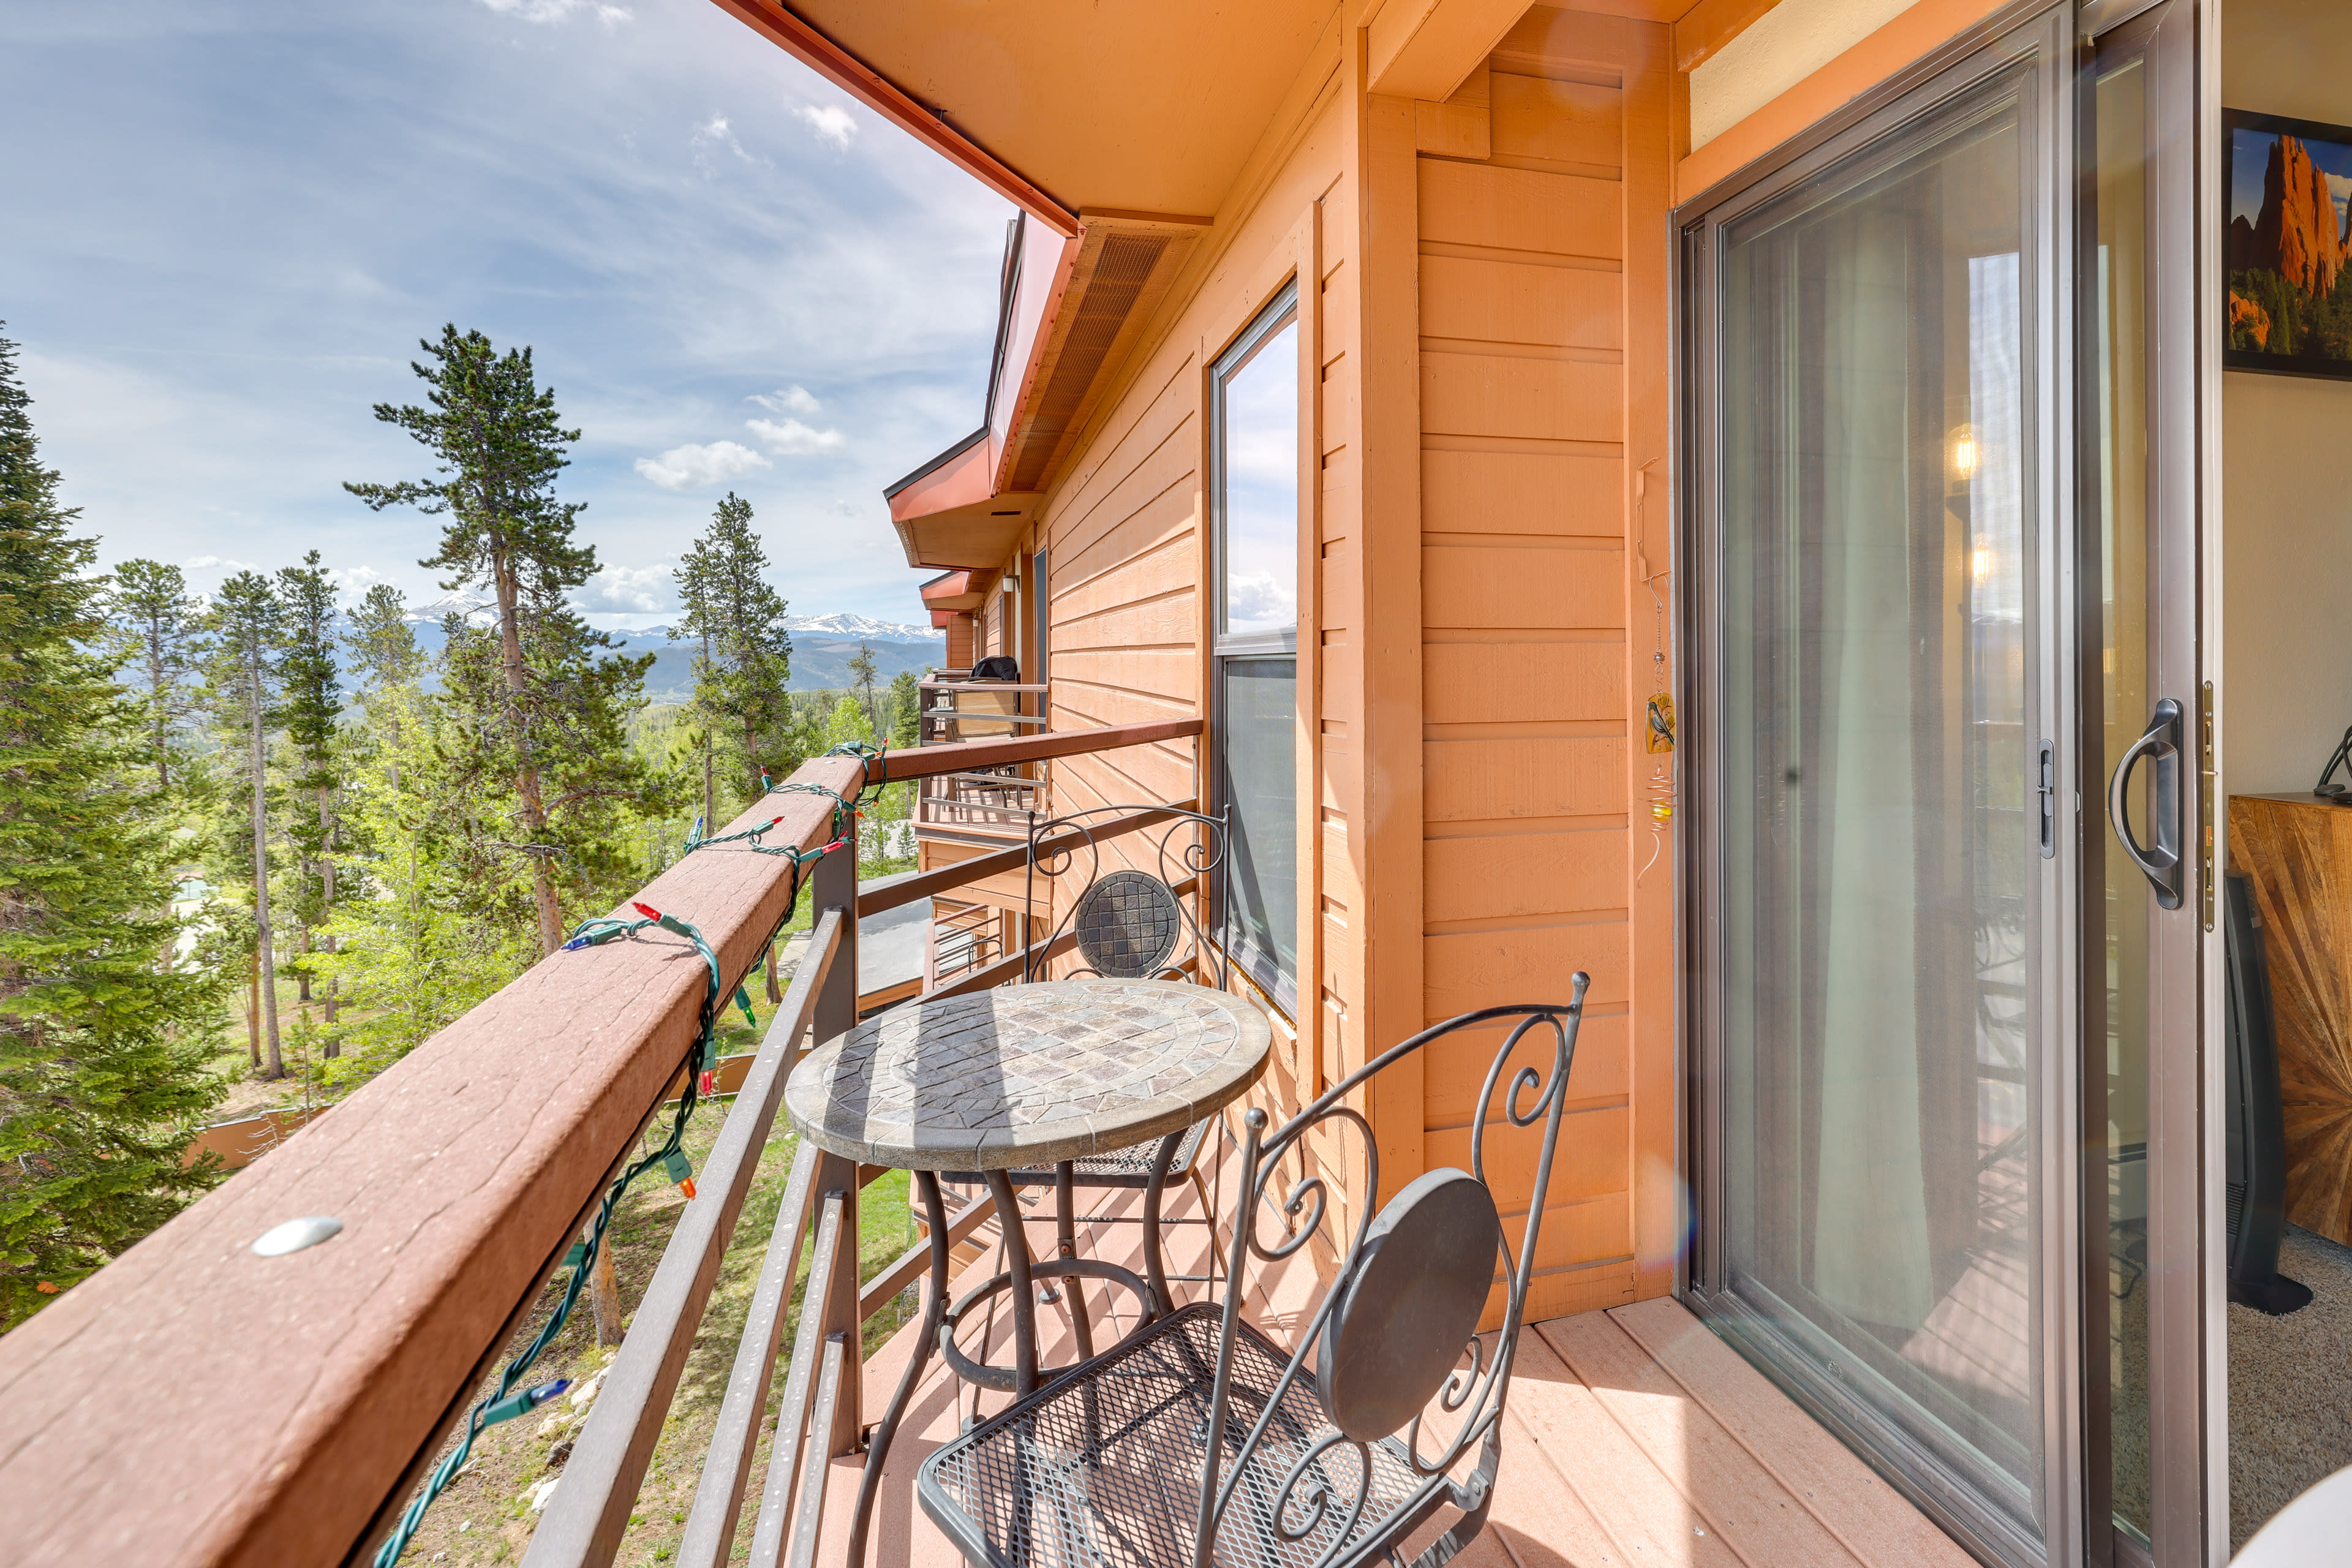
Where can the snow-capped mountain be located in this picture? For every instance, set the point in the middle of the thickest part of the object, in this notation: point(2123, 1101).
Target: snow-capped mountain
point(472, 605)
point(480, 607)
point(846, 626)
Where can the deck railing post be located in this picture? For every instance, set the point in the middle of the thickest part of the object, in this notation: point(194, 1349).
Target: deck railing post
point(837, 1015)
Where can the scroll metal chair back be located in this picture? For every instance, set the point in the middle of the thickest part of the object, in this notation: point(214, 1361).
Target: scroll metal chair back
point(1198, 1439)
point(1130, 923)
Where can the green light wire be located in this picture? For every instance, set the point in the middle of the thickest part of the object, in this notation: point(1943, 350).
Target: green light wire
point(590, 933)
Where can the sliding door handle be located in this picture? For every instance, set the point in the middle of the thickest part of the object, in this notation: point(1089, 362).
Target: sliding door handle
point(2160, 863)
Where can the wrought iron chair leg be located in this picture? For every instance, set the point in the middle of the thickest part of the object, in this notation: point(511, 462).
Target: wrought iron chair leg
point(1066, 1237)
point(878, 1449)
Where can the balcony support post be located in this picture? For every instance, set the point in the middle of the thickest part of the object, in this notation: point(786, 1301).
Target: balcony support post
point(836, 1014)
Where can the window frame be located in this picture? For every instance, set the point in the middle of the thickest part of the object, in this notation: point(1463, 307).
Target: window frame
point(1260, 962)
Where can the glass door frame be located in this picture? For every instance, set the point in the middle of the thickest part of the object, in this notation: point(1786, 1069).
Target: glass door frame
point(2046, 34)
point(2175, 42)
point(2189, 1370)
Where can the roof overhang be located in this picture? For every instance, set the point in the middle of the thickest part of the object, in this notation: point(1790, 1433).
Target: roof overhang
point(948, 512)
point(956, 592)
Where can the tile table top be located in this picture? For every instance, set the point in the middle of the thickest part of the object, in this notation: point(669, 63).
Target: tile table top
point(1027, 1074)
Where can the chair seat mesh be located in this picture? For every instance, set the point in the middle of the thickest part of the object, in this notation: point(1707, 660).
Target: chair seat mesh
point(1102, 1468)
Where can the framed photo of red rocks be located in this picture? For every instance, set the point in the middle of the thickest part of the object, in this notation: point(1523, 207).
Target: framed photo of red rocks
point(2286, 245)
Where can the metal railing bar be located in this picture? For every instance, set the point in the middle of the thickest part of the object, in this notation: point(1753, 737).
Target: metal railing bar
point(947, 878)
point(590, 1510)
point(794, 1434)
point(960, 756)
point(811, 1523)
point(719, 1495)
point(913, 1262)
point(982, 685)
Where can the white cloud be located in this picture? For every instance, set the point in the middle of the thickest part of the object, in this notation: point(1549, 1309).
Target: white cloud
point(218, 563)
point(795, 399)
point(829, 121)
point(793, 438)
point(686, 467)
point(641, 589)
point(355, 580)
point(548, 11)
point(716, 133)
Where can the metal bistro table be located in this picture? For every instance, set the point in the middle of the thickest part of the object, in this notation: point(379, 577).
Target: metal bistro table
point(1013, 1079)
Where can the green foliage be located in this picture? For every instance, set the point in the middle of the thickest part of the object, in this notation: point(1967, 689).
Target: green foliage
point(248, 631)
point(741, 700)
point(155, 634)
point(415, 938)
point(906, 711)
point(312, 703)
point(100, 1062)
point(537, 716)
point(2302, 323)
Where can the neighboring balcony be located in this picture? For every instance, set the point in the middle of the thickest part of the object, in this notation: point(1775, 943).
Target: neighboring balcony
point(994, 806)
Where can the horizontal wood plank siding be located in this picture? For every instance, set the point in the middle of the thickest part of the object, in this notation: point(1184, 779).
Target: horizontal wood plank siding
point(1526, 848)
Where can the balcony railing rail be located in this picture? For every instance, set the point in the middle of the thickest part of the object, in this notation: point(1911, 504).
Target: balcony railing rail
point(196, 1403)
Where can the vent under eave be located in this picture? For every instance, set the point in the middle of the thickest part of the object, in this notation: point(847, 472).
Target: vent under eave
point(1125, 264)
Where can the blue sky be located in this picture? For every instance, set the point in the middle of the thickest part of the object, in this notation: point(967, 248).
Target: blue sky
point(229, 221)
point(2250, 154)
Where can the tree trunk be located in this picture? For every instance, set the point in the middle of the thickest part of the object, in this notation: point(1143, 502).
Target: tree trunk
point(268, 960)
point(605, 1294)
point(253, 1010)
point(775, 983)
point(534, 814)
point(327, 903)
point(302, 970)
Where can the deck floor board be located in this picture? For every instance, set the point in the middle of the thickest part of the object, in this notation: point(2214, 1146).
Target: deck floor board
point(1634, 1439)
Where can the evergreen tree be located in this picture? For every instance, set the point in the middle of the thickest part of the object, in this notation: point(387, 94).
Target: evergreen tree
point(906, 711)
point(539, 698)
point(248, 626)
point(156, 635)
point(742, 676)
point(312, 702)
point(102, 1053)
point(385, 659)
point(861, 676)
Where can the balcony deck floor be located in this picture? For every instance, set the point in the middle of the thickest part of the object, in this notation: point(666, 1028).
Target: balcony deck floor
point(1634, 1439)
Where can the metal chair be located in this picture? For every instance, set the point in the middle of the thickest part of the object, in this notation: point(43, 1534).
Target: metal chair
point(1128, 924)
point(1198, 1440)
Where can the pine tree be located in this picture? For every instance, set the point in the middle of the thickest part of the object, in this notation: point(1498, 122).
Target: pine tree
point(102, 1053)
point(313, 700)
point(550, 704)
point(249, 627)
point(906, 709)
point(386, 660)
point(743, 676)
point(157, 636)
point(861, 676)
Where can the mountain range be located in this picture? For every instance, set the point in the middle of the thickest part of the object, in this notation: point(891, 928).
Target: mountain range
point(822, 647)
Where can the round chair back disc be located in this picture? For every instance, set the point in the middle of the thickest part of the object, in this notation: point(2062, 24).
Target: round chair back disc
point(1410, 1304)
point(1127, 925)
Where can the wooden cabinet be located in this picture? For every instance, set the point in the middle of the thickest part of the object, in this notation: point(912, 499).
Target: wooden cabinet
point(2298, 850)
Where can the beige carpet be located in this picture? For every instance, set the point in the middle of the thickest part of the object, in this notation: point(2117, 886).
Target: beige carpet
point(2291, 1387)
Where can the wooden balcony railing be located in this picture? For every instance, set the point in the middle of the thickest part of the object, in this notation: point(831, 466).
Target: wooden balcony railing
point(194, 1403)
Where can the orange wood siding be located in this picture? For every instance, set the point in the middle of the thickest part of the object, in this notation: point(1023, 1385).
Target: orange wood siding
point(1532, 368)
point(1482, 306)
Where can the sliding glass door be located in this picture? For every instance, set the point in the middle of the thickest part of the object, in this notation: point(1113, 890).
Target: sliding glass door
point(1945, 737)
point(1883, 954)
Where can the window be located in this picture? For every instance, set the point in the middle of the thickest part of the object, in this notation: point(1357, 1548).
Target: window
point(1254, 498)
